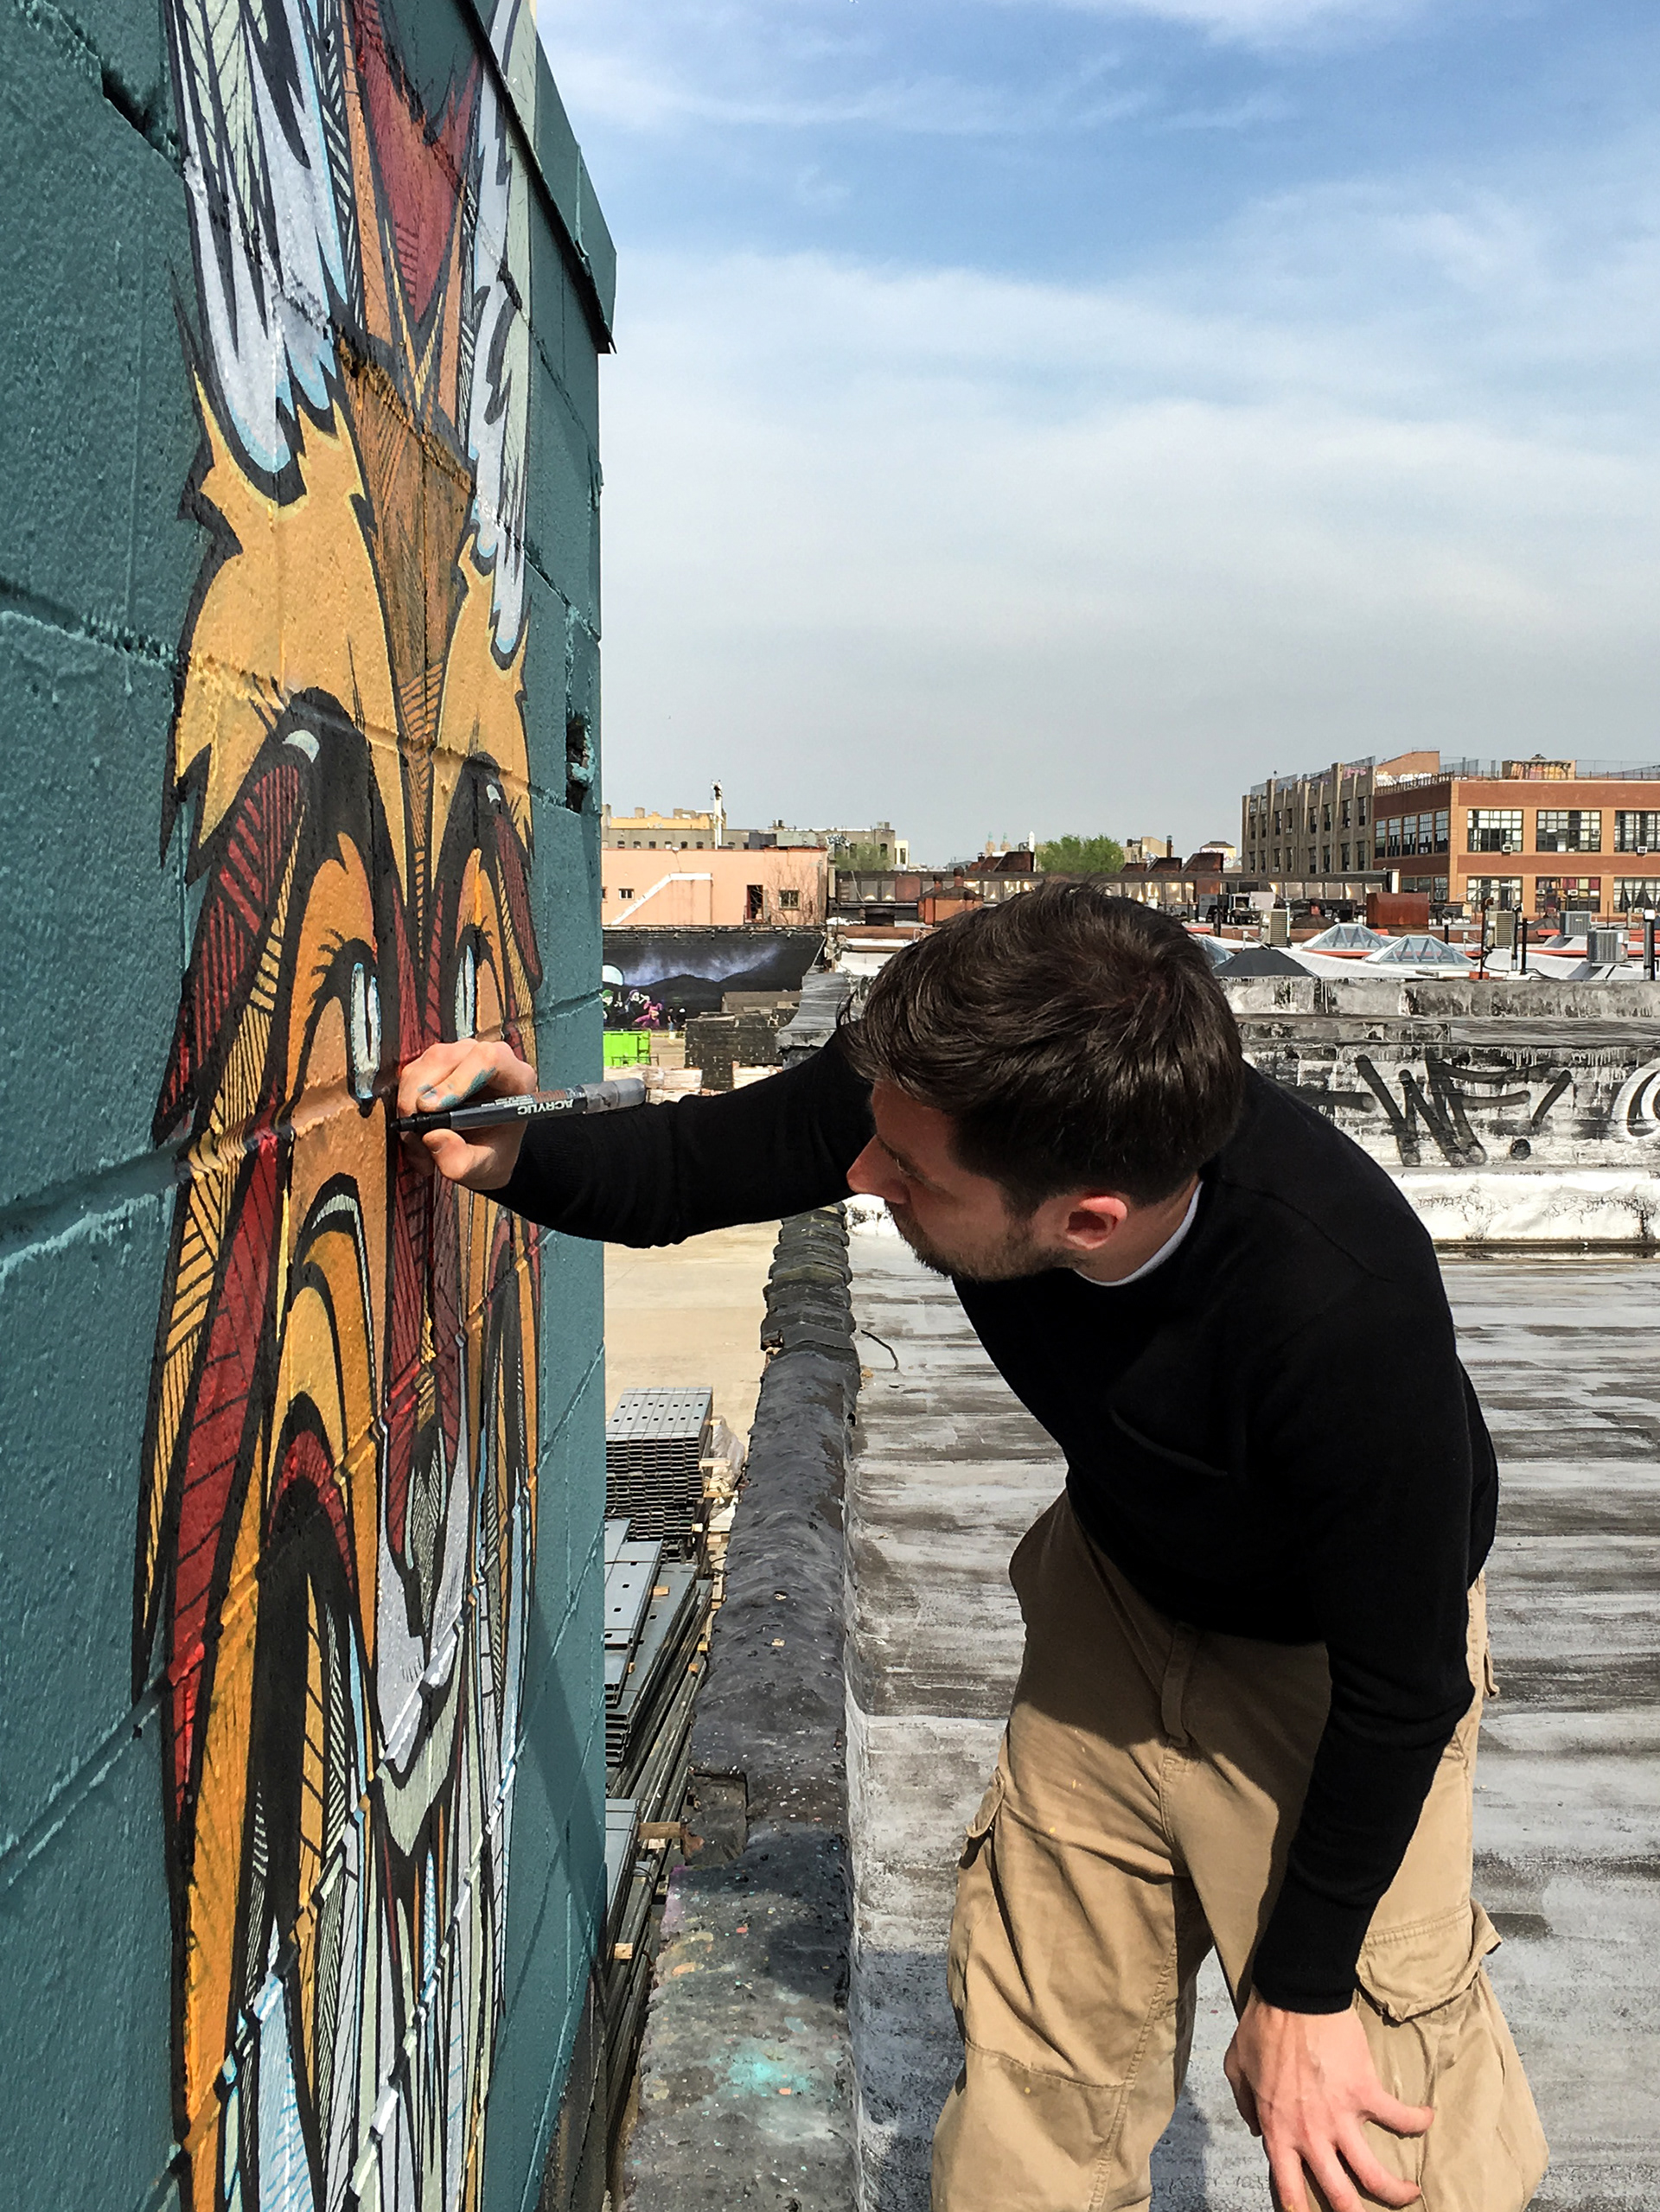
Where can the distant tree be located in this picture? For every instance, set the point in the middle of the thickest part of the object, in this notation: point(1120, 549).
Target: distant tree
point(1070, 856)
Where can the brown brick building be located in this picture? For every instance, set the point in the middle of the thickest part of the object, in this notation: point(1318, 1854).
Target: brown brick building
point(1538, 836)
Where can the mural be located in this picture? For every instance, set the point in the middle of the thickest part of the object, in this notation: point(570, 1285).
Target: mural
point(336, 1531)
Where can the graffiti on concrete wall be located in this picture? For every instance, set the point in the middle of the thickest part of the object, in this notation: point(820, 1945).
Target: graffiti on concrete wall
point(1421, 1106)
point(336, 1530)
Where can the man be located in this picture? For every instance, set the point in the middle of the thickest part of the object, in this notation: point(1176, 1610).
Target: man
point(1255, 1640)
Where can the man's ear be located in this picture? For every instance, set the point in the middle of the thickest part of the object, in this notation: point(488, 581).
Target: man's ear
point(1089, 1221)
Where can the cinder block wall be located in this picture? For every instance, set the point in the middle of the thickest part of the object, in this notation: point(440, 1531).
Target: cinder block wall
point(300, 1833)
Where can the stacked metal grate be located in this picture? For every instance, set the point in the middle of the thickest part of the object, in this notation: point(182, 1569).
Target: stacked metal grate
point(655, 1444)
point(656, 1636)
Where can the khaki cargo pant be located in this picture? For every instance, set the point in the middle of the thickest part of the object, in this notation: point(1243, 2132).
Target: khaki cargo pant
point(1144, 1797)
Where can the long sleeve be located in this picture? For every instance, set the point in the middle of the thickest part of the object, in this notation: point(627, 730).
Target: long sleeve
point(1385, 1506)
point(660, 1173)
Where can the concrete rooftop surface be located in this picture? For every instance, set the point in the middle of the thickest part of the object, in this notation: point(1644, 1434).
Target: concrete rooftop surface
point(1565, 1352)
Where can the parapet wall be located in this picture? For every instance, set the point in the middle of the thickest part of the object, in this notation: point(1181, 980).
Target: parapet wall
point(1510, 1113)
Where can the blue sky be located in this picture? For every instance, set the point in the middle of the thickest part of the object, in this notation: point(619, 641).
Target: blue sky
point(1048, 416)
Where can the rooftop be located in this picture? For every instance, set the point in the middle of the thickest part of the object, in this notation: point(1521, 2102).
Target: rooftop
point(951, 1470)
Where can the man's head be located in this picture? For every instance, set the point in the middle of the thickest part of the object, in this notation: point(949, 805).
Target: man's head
point(1049, 1074)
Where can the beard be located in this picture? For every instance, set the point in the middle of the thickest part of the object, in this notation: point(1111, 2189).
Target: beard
point(1017, 1253)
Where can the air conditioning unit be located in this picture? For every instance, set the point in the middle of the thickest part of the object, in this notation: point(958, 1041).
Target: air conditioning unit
point(1606, 947)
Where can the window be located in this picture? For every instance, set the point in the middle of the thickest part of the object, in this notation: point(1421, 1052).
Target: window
point(1325, 817)
point(1361, 815)
point(1496, 829)
point(1347, 817)
point(1443, 830)
point(651, 844)
point(1494, 890)
point(789, 898)
point(1636, 832)
point(1551, 894)
point(1278, 825)
point(1379, 832)
point(1345, 859)
point(1564, 828)
point(1636, 893)
point(755, 902)
point(1276, 857)
point(1313, 823)
point(626, 892)
point(1326, 860)
point(1389, 833)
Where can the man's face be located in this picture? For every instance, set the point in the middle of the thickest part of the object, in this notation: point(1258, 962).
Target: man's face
point(956, 1222)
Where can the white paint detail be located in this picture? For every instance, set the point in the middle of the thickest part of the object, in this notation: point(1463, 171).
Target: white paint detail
point(365, 1032)
point(662, 884)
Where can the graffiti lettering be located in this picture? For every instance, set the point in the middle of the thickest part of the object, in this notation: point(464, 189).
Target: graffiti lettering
point(1428, 1106)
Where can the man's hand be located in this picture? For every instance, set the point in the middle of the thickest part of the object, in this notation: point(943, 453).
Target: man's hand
point(443, 1076)
point(1305, 2083)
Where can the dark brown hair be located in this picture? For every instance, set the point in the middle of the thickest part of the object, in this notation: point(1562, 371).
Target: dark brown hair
point(1075, 1038)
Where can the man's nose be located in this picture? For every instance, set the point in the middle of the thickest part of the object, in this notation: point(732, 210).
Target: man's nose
point(874, 1175)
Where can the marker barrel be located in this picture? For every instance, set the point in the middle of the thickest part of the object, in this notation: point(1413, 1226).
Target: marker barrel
point(534, 1106)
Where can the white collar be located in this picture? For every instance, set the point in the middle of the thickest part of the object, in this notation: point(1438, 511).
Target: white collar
point(1159, 1258)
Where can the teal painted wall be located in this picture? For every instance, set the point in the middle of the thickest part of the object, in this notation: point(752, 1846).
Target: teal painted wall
point(301, 1761)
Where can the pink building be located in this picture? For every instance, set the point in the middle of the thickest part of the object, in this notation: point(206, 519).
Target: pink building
point(781, 887)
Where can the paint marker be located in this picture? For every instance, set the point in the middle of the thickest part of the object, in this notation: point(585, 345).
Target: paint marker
point(534, 1106)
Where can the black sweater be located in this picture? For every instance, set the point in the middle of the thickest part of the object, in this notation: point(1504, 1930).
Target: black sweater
point(1270, 1434)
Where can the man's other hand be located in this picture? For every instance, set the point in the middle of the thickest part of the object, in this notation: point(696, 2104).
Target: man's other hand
point(1305, 2083)
point(446, 1074)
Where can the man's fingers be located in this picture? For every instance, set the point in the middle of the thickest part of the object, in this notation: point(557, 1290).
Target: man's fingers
point(468, 1075)
point(1399, 2119)
point(444, 1075)
point(1332, 2175)
point(428, 1068)
point(1286, 2177)
point(1362, 2162)
point(1244, 2097)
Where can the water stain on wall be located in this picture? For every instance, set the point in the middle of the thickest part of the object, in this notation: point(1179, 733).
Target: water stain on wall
point(335, 1533)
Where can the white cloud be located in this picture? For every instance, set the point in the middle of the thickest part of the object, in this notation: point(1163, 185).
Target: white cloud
point(1256, 22)
point(983, 555)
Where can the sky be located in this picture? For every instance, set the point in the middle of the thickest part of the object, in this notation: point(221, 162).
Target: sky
point(1047, 416)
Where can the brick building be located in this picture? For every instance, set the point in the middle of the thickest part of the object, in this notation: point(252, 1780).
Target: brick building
point(1538, 836)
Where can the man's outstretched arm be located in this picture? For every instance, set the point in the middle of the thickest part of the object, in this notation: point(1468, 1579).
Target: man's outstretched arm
point(658, 1173)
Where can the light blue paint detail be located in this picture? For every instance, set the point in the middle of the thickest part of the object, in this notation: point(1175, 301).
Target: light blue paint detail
point(754, 2072)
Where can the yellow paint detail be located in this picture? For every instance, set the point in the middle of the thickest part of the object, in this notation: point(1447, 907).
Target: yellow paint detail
point(294, 607)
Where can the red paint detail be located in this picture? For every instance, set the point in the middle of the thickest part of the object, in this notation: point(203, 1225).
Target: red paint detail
point(307, 1461)
point(412, 1202)
point(241, 1325)
point(515, 891)
point(443, 1269)
point(229, 936)
point(420, 163)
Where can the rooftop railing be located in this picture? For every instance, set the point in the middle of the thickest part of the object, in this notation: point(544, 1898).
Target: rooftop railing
point(1494, 771)
point(1314, 776)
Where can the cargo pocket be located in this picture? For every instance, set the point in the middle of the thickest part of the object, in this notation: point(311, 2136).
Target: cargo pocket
point(1407, 1971)
point(1438, 2037)
point(975, 1892)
